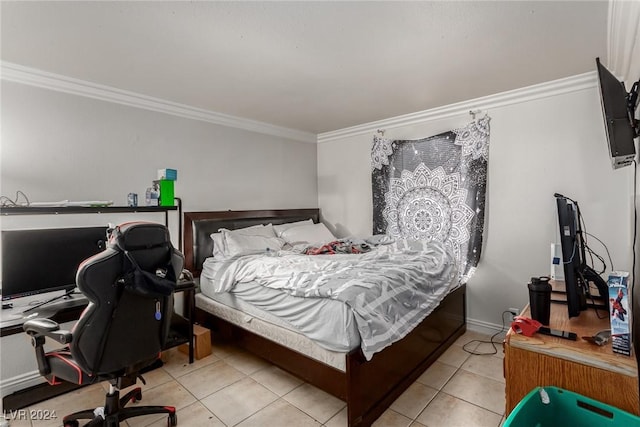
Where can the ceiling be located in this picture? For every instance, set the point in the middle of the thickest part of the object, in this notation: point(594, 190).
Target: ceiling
point(310, 66)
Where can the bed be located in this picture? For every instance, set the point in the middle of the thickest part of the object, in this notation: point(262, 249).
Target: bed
point(368, 387)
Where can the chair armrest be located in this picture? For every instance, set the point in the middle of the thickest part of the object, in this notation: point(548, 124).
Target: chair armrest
point(49, 328)
point(40, 326)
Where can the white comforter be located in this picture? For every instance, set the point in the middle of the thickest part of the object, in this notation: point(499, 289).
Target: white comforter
point(390, 289)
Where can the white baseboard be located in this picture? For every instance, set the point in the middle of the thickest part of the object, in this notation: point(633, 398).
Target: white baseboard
point(485, 327)
point(20, 382)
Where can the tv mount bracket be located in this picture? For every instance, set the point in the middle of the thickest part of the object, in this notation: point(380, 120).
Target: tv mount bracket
point(632, 104)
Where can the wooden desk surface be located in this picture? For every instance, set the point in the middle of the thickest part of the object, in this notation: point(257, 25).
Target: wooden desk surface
point(580, 351)
point(585, 368)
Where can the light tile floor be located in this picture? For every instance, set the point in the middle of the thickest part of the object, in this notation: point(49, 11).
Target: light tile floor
point(234, 388)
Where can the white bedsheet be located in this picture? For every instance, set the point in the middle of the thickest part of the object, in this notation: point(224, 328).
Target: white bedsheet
point(330, 323)
point(388, 290)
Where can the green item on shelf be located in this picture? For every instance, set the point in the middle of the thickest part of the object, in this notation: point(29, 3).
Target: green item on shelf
point(166, 192)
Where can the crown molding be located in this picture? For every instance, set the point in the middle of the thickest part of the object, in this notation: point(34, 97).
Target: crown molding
point(517, 96)
point(44, 79)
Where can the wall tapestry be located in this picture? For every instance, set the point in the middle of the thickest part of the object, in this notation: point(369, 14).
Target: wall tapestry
point(434, 188)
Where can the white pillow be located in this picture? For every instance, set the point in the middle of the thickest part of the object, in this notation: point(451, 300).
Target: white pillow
point(313, 233)
point(219, 240)
point(280, 228)
point(218, 245)
point(244, 230)
point(243, 244)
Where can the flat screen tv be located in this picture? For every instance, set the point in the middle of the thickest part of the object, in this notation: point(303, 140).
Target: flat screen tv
point(618, 109)
point(46, 260)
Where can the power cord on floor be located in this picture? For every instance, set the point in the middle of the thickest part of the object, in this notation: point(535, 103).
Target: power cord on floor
point(491, 340)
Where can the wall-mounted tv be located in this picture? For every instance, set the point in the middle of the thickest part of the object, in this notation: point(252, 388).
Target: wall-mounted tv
point(45, 260)
point(618, 108)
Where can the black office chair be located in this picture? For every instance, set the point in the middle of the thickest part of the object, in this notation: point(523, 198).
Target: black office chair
point(124, 327)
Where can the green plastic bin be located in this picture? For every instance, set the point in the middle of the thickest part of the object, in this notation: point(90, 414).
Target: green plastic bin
point(566, 408)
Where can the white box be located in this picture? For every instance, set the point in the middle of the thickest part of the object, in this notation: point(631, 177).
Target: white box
point(557, 264)
point(170, 174)
point(619, 312)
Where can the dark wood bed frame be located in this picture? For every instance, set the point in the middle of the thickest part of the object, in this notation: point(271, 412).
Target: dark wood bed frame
point(368, 387)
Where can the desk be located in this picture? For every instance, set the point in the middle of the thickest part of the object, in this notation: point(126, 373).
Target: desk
point(61, 311)
point(579, 366)
point(181, 331)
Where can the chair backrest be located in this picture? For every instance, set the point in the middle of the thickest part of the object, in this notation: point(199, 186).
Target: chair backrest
point(121, 331)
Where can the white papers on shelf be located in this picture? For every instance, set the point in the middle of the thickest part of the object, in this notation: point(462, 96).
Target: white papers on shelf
point(66, 203)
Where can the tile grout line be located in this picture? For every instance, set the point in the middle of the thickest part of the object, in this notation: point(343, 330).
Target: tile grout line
point(440, 390)
point(474, 404)
point(459, 398)
point(257, 382)
point(457, 369)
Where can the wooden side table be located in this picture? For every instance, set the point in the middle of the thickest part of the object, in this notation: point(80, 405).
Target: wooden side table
point(579, 366)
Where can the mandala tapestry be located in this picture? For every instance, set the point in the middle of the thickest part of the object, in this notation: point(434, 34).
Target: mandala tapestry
point(434, 188)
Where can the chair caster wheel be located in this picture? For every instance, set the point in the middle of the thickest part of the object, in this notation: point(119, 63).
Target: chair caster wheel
point(172, 420)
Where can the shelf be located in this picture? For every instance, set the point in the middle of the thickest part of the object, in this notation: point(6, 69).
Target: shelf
point(57, 210)
point(61, 210)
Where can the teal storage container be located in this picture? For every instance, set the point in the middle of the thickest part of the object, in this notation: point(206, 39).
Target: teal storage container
point(566, 408)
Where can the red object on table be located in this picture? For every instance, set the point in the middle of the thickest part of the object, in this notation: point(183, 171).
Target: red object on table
point(525, 326)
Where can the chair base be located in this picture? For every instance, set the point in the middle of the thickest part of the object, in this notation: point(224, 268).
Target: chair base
point(114, 412)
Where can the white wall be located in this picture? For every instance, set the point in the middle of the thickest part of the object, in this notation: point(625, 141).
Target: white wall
point(58, 146)
point(551, 142)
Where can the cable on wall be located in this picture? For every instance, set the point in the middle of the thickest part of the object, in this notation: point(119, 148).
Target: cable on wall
point(6, 201)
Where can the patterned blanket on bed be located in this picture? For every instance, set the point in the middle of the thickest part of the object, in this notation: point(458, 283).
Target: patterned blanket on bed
point(390, 289)
point(338, 247)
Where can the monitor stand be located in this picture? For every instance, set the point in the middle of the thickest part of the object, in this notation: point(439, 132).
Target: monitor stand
point(600, 301)
point(590, 275)
point(601, 306)
point(67, 294)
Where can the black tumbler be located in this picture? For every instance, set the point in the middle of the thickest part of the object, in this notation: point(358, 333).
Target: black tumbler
point(540, 299)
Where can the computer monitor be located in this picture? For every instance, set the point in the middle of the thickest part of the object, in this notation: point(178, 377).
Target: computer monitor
point(570, 241)
point(46, 260)
point(618, 109)
point(577, 274)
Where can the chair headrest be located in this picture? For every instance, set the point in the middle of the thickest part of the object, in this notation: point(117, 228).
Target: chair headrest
point(133, 236)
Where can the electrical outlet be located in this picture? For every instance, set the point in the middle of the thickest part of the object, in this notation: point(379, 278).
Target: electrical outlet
point(513, 312)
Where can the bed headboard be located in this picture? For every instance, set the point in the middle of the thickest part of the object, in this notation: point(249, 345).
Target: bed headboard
point(198, 226)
